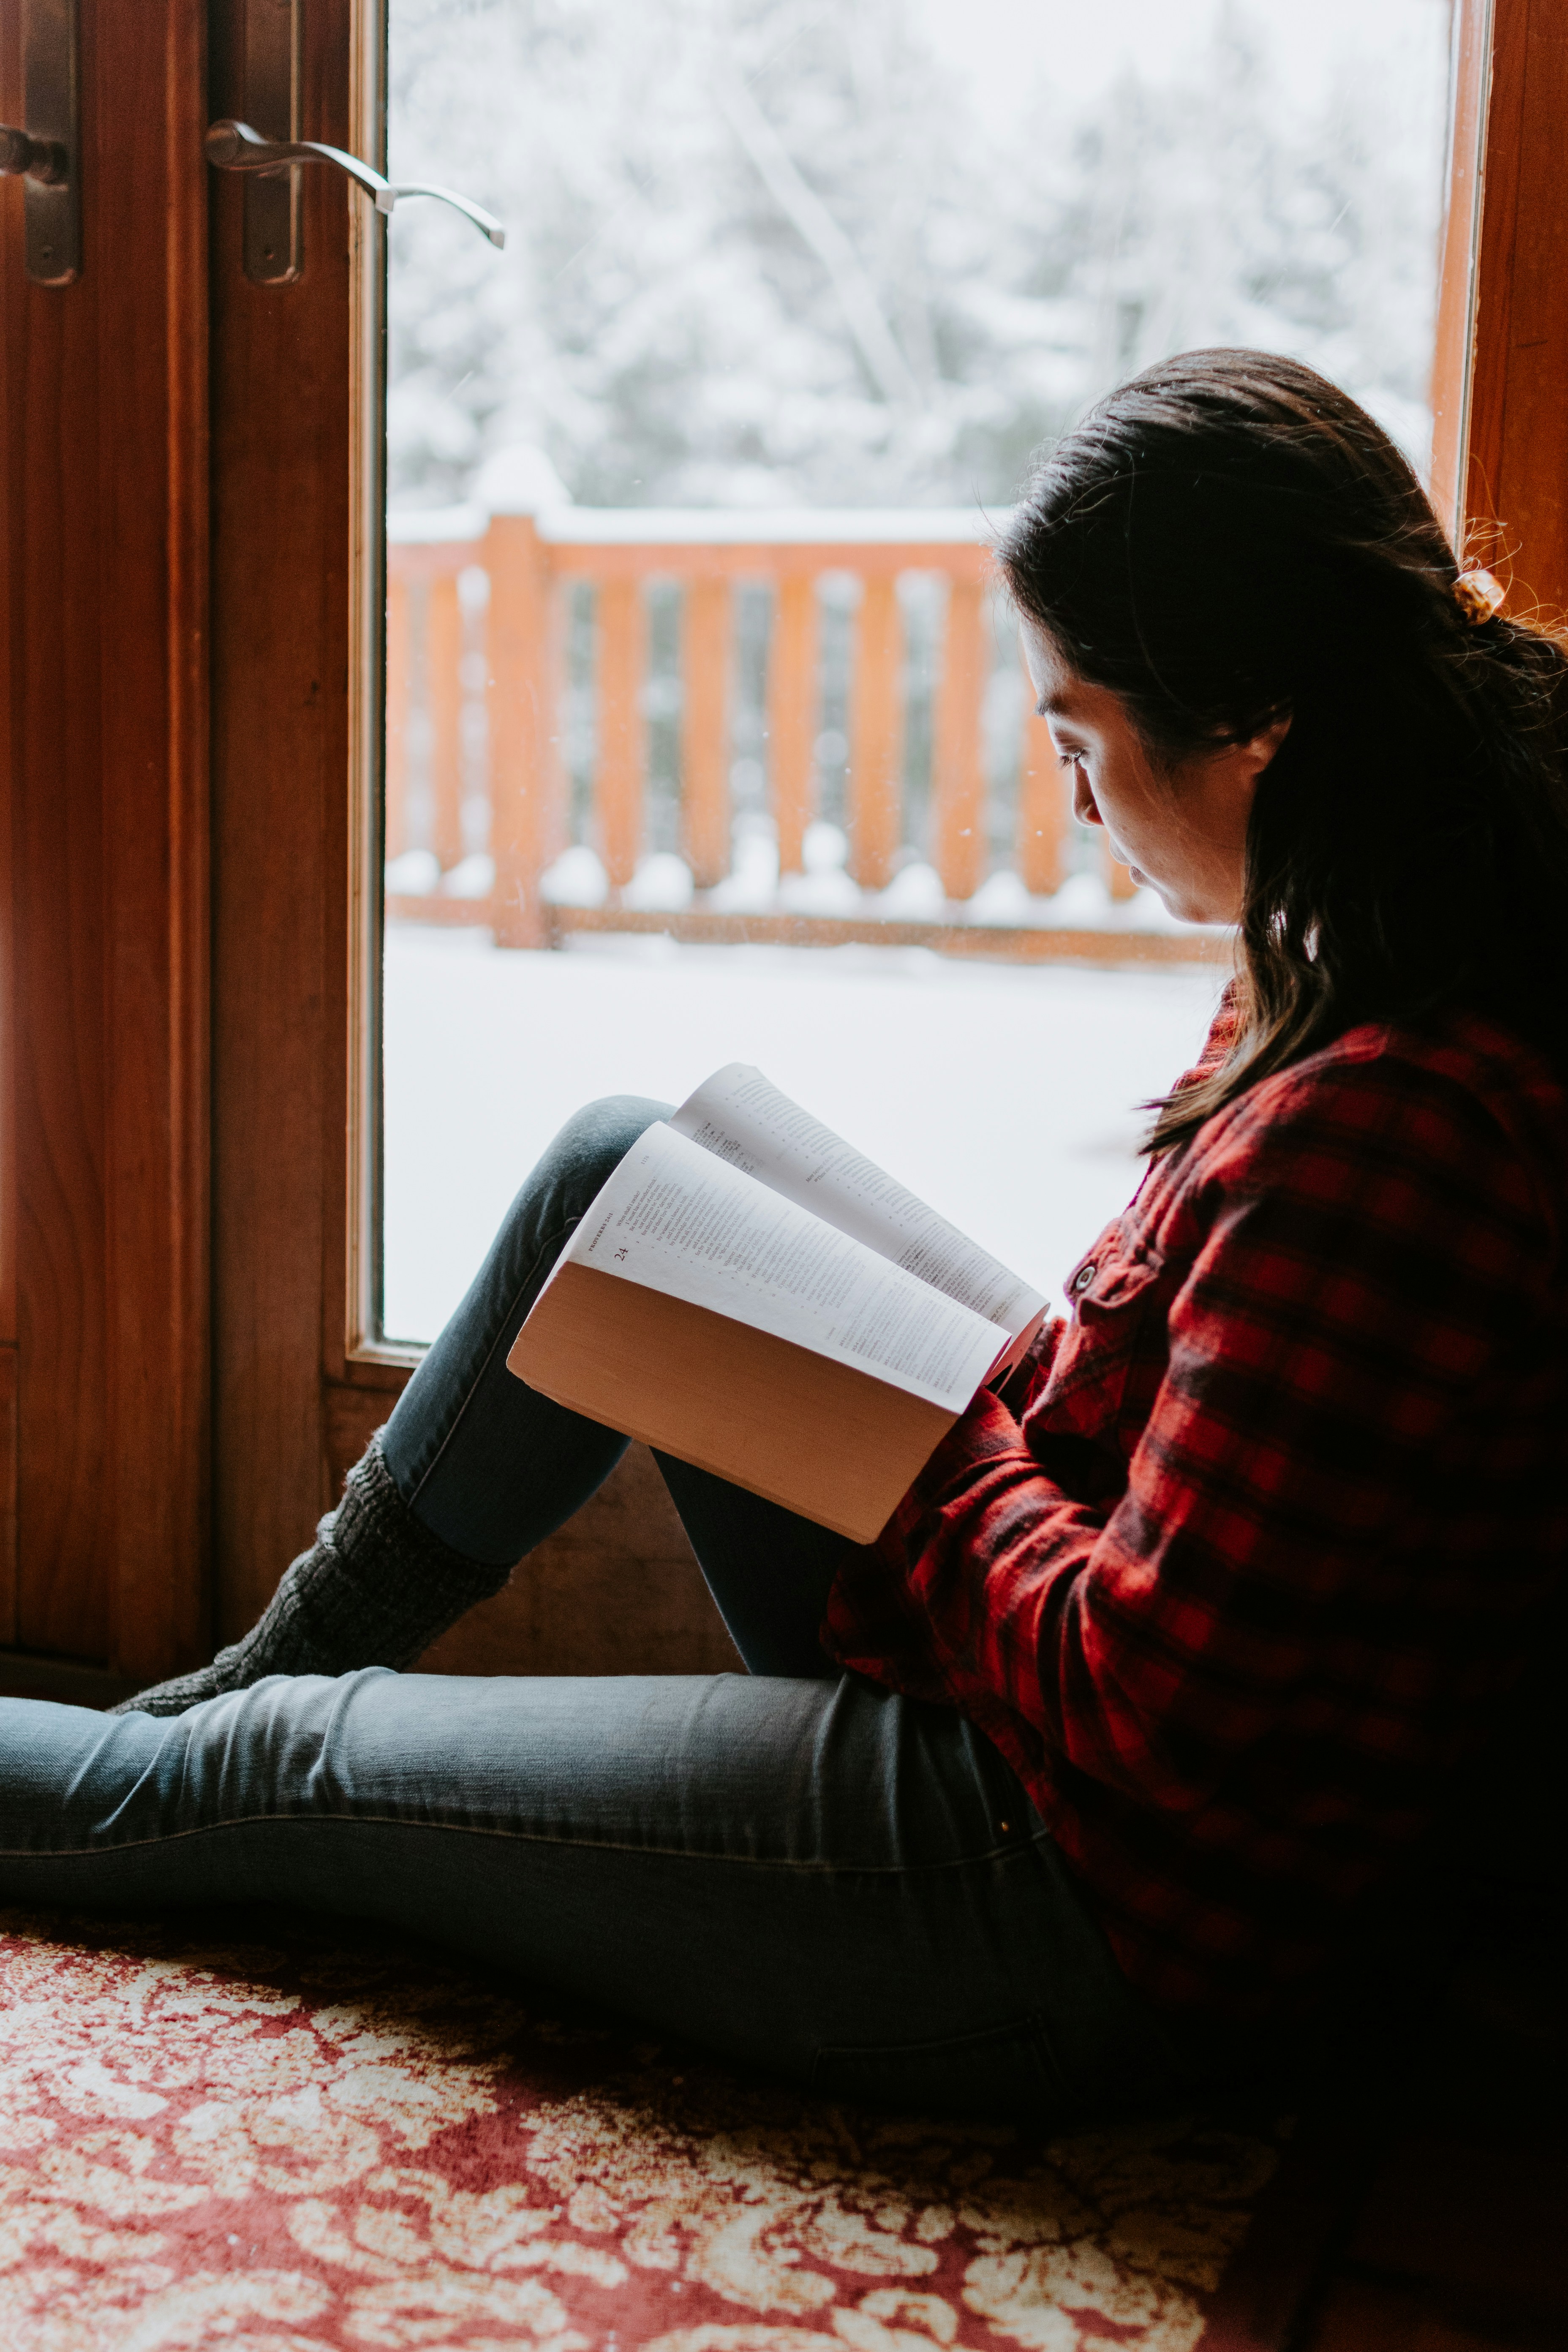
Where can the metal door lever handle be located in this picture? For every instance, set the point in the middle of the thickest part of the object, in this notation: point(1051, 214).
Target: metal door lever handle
point(236, 147)
point(43, 159)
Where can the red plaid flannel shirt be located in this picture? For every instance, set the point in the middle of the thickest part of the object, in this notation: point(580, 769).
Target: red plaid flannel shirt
point(1238, 1590)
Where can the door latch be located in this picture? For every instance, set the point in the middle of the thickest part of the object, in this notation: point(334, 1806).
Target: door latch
point(236, 147)
point(45, 155)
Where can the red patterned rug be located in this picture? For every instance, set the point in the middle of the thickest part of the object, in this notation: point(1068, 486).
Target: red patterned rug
point(285, 2138)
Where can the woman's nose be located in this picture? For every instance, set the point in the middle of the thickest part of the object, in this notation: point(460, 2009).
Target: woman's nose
point(1083, 806)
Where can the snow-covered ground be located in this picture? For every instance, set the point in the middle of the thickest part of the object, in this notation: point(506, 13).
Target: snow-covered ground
point(1002, 1094)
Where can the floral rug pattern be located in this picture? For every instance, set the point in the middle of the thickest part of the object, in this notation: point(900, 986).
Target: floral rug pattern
point(302, 2141)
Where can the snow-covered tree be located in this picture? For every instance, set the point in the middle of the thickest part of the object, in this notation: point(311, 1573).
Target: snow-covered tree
point(762, 252)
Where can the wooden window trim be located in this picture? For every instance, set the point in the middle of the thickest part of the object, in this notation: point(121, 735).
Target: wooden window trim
point(1501, 366)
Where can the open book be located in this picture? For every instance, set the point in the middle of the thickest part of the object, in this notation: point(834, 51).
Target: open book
point(748, 1293)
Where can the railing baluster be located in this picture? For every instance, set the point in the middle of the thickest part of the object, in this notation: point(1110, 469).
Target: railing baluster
point(961, 848)
point(523, 693)
point(792, 713)
point(1042, 804)
point(396, 820)
point(876, 736)
point(623, 637)
point(705, 637)
point(444, 701)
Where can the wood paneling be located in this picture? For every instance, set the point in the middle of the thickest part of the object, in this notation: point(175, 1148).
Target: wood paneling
point(104, 746)
point(153, 532)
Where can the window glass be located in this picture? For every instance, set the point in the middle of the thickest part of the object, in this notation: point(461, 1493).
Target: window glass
point(706, 739)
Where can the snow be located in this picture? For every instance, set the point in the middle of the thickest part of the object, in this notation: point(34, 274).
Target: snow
point(752, 885)
point(435, 526)
point(1002, 1094)
point(562, 524)
point(829, 892)
point(661, 885)
point(1001, 898)
point(914, 895)
point(769, 526)
point(473, 876)
point(868, 256)
point(413, 874)
point(576, 879)
point(980, 43)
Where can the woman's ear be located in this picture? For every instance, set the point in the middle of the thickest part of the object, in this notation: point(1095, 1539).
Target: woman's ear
point(1258, 751)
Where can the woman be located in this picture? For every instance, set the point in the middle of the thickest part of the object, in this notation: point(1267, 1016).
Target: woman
point(1175, 1653)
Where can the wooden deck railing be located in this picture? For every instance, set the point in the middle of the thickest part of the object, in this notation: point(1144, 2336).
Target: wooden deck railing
point(477, 678)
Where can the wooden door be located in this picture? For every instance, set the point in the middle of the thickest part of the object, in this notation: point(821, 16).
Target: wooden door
point(104, 1131)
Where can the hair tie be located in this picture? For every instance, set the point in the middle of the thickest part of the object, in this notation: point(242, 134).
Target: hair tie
point(1479, 596)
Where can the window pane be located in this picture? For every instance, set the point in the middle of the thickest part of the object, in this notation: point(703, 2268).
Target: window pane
point(706, 738)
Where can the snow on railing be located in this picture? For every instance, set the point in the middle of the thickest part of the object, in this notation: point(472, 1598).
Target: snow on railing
point(518, 649)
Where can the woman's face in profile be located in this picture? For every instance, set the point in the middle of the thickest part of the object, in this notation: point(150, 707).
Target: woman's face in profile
point(1182, 829)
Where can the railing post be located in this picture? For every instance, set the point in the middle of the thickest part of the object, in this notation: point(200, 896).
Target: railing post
point(706, 623)
point(444, 704)
point(792, 714)
point(525, 790)
point(961, 849)
point(620, 783)
point(1042, 804)
point(876, 736)
point(394, 822)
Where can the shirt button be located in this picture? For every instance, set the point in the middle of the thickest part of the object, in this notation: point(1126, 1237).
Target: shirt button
point(1084, 1276)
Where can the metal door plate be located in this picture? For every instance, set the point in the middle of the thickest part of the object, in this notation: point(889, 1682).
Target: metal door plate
point(52, 213)
point(271, 235)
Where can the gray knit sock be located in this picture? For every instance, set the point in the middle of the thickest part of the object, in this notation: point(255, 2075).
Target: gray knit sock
point(374, 1590)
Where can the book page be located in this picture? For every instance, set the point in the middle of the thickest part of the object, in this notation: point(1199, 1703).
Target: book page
point(677, 1218)
point(743, 1118)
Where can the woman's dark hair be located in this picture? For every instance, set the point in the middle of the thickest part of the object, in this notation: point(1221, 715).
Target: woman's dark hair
point(1227, 538)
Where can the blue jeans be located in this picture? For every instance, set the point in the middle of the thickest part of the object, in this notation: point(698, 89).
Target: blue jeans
point(798, 1870)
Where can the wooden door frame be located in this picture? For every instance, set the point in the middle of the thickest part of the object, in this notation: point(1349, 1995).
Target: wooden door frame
point(299, 1378)
point(179, 1397)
